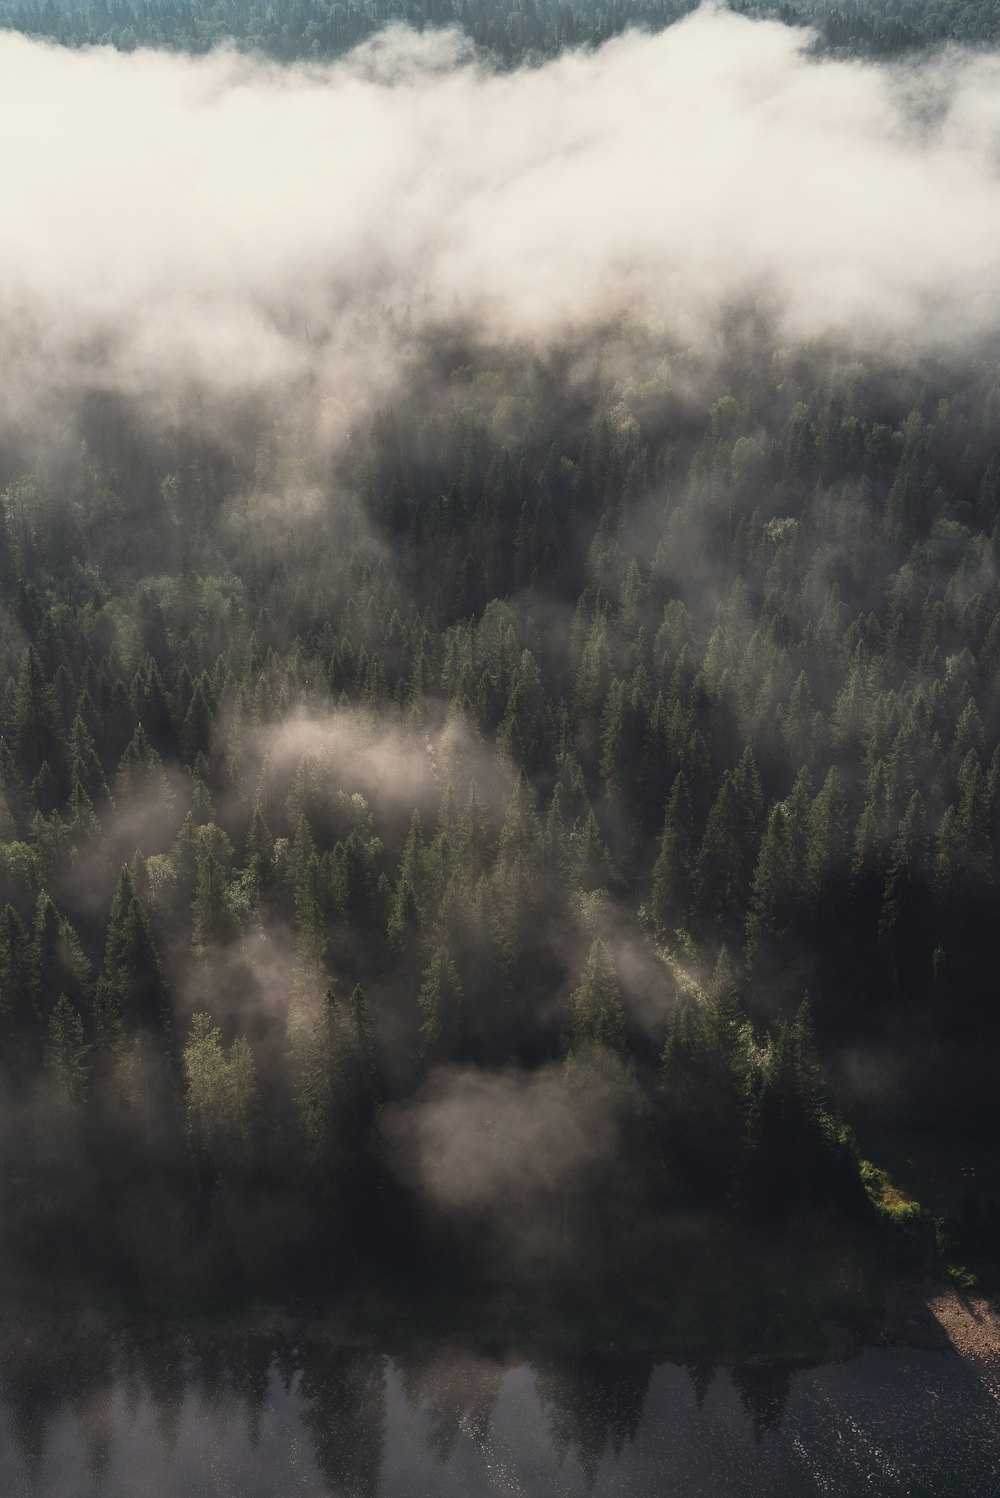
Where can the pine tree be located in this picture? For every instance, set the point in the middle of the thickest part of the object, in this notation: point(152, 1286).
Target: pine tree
point(66, 1051)
point(472, 837)
point(614, 746)
point(36, 729)
point(515, 892)
point(521, 833)
point(17, 973)
point(140, 770)
point(242, 1102)
point(828, 852)
point(797, 1153)
point(131, 994)
point(404, 926)
point(596, 1015)
point(214, 922)
point(259, 852)
point(85, 769)
point(413, 865)
point(196, 729)
point(442, 1005)
point(336, 1092)
point(151, 706)
point(779, 892)
point(361, 902)
point(973, 821)
point(730, 846)
point(671, 890)
point(523, 733)
point(221, 1097)
point(591, 861)
point(58, 960)
point(44, 793)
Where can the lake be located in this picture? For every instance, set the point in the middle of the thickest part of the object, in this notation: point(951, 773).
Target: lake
point(152, 1414)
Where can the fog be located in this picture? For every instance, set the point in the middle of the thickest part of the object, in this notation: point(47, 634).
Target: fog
point(286, 249)
point(506, 1149)
point(228, 221)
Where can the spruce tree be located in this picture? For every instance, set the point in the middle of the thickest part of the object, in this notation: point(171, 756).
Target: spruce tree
point(66, 1051)
point(596, 1015)
point(442, 1006)
point(671, 890)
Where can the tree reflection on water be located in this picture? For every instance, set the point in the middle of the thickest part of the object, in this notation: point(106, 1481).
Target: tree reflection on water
point(171, 1412)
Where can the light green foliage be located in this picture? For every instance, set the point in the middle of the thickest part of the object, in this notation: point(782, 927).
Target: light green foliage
point(221, 1096)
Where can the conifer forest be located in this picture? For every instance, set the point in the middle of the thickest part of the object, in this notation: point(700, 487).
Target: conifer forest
point(500, 655)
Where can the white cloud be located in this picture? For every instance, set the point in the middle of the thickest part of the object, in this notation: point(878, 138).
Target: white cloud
point(220, 217)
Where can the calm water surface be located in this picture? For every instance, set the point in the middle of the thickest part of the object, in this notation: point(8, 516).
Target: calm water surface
point(180, 1417)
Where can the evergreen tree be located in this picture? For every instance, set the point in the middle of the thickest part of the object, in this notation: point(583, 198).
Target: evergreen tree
point(36, 731)
point(336, 1092)
point(85, 770)
point(442, 1004)
point(730, 846)
point(17, 973)
point(221, 1097)
point(214, 921)
point(596, 1015)
point(671, 891)
point(131, 993)
point(58, 961)
point(66, 1051)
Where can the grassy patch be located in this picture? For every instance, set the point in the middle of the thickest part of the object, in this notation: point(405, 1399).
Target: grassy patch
point(886, 1194)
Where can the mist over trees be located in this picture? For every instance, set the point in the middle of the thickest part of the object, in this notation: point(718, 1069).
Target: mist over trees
point(578, 740)
point(533, 30)
point(504, 805)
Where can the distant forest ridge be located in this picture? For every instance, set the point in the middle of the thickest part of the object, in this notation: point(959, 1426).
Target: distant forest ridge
point(508, 31)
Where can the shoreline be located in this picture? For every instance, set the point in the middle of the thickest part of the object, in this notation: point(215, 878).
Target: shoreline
point(931, 1315)
point(947, 1319)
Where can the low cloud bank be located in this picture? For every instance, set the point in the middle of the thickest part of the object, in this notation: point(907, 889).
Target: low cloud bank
point(227, 221)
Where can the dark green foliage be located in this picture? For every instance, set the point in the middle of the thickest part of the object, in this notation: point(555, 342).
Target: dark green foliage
point(441, 1003)
point(336, 1093)
point(729, 847)
point(620, 680)
point(35, 728)
point(799, 1155)
point(671, 892)
point(18, 973)
point(596, 1016)
point(66, 1051)
point(131, 993)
